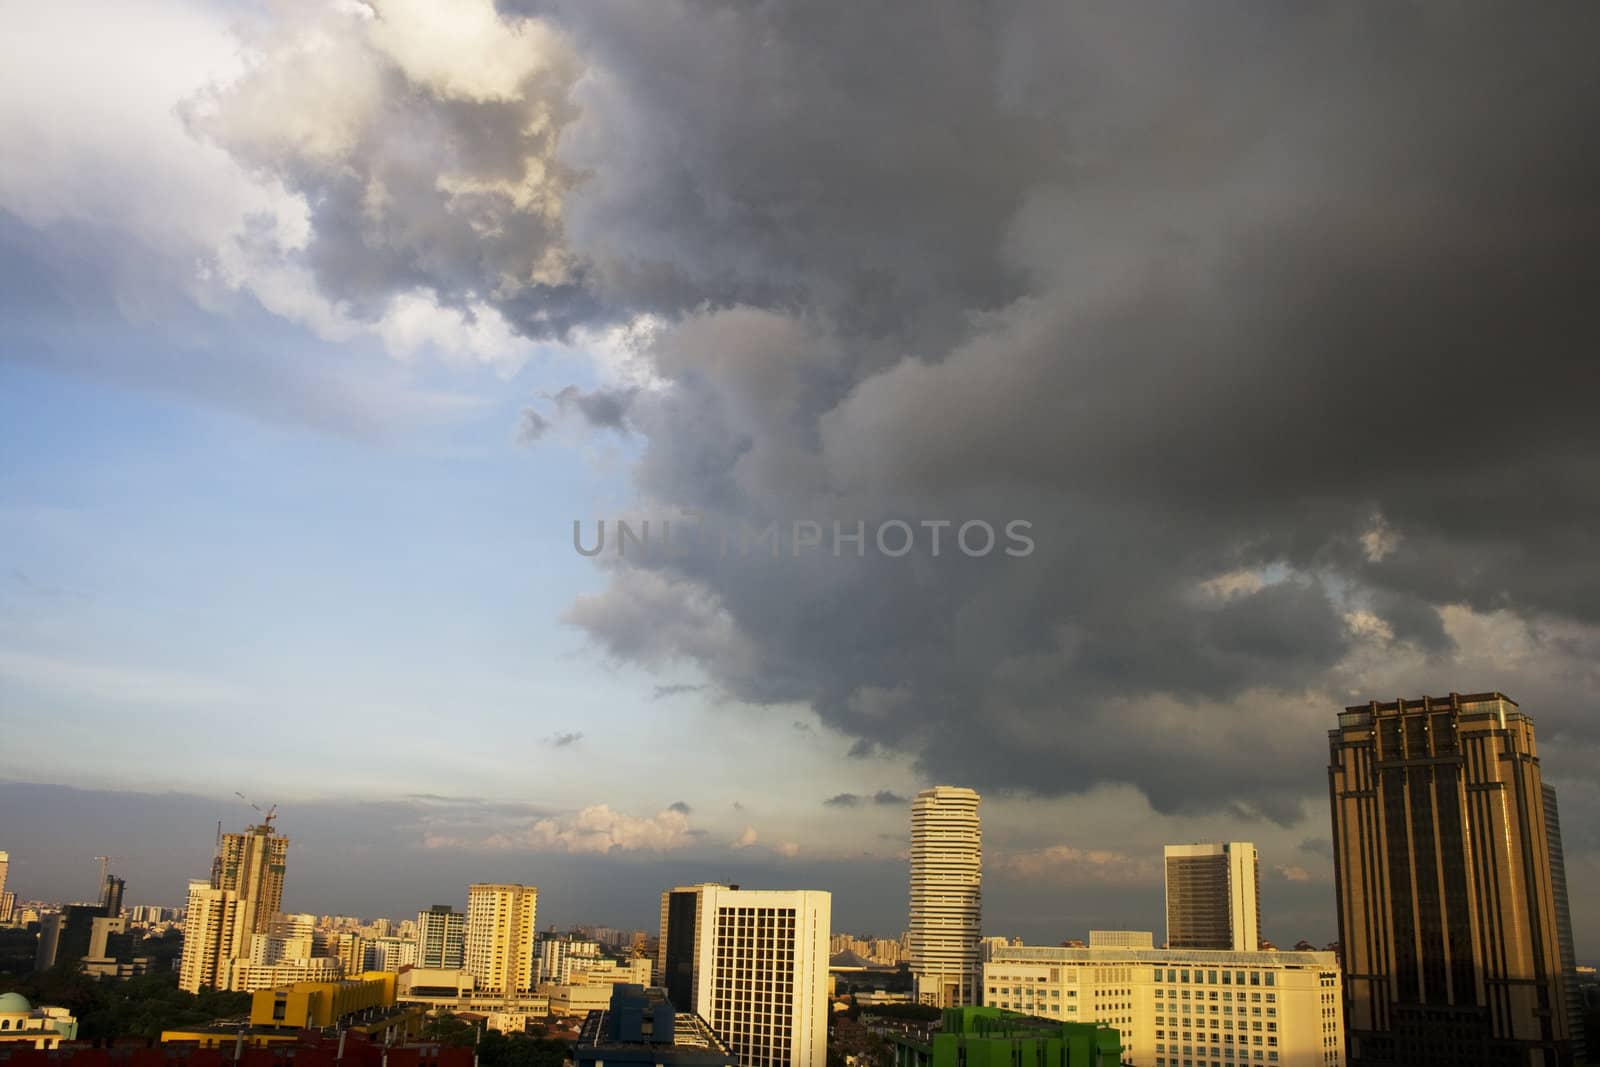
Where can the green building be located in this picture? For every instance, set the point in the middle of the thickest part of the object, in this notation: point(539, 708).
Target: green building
point(989, 1037)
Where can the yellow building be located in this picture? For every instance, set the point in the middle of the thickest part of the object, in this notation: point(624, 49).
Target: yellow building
point(364, 1005)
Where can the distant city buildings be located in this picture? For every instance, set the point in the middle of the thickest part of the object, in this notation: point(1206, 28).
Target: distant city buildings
point(754, 964)
point(500, 927)
point(1213, 896)
point(946, 899)
point(441, 937)
point(1177, 1006)
point(1446, 879)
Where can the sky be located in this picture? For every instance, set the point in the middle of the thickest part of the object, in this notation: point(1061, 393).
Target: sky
point(324, 325)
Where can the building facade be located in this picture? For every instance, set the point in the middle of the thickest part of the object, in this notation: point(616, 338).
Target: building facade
point(500, 929)
point(1183, 1008)
point(441, 938)
point(756, 968)
point(946, 897)
point(1213, 897)
point(252, 866)
point(1570, 985)
point(1447, 908)
point(208, 926)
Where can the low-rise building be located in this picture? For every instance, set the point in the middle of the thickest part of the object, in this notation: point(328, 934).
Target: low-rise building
point(366, 1007)
point(42, 1028)
point(1273, 1009)
point(455, 991)
point(639, 1027)
point(990, 1037)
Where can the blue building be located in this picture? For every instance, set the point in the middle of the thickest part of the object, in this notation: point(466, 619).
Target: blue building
point(641, 1027)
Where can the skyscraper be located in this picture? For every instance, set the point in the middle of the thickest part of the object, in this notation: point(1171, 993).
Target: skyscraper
point(441, 937)
point(500, 929)
point(1447, 912)
point(252, 865)
point(1569, 956)
point(946, 899)
point(5, 869)
point(208, 927)
point(754, 963)
point(111, 895)
point(1213, 897)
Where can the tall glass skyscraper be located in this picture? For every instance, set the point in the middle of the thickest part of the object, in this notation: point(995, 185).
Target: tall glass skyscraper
point(1443, 871)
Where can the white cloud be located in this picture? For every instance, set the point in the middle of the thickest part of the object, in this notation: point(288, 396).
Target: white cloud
point(746, 839)
point(1067, 865)
point(599, 829)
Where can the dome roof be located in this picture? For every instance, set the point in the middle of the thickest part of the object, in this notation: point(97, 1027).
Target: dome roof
point(14, 1003)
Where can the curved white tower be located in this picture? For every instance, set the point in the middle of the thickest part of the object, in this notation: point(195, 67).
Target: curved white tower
point(946, 902)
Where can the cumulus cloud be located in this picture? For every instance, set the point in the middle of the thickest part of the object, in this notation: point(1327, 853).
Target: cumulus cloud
point(1067, 865)
point(747, 838)
point(1293, 873)
point(599, 829)
point(842, 800)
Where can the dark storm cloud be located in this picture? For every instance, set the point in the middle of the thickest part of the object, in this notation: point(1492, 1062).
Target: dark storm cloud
point(888, 797)
point(1273, 321)
point(842, 800)
point(605, 409)
point(680, 806)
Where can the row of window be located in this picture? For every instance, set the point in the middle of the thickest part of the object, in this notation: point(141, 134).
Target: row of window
point(1209, 977)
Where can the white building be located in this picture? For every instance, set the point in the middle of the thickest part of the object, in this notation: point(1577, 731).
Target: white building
point(559, 958)
point(1182, 1008)
point(946, 898)
point(1213, 896)
point(500, 931)
point(208, 928)
point(754, 964)
point(249, 977)
point(441, 937)
point(389, 953)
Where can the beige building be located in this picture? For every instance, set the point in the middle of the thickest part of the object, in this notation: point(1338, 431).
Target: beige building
point(248, 977)
point(208, 927)
point(500, 931)
point(1182, 1008)
point(41, 1028)
point(1213, 897)
point(1447, 913)
point(252, 865)
point(946, 897)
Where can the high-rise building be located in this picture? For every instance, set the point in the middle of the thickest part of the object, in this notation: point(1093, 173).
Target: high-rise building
point(441, 937)
point(946, 897)
point(252, 866)
point(756, 968)
point(500, 929)
point(1447, 912)
point(208, 927)
point(389, 953)
point(5, 869)
point(1571, 992)
point(1176, 1005)
point(1213, 897)
point(111, 895)
point(64, 935)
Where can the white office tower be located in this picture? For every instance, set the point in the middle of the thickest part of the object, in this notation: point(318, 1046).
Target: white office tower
point(946, 901)
point(208, 929)
point(499, 937)
point(1213, 897)
point(441, 937)
point(754, 964)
